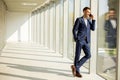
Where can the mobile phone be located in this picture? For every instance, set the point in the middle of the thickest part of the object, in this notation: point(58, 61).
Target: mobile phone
point(90, 15)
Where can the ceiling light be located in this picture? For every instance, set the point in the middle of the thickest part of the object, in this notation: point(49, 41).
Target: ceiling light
point(29, 4)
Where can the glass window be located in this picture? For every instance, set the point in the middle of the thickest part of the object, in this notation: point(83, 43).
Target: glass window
point(107, 32)
point(84, 3)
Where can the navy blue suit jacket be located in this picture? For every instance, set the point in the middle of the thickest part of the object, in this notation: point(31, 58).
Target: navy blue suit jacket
point(110, 31)
point(81, 31)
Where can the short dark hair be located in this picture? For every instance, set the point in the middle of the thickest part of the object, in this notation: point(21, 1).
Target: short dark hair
point(111, 9)
point(85, 8)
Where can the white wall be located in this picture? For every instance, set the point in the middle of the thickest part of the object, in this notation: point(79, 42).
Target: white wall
point(2, 24)
point(17, 26)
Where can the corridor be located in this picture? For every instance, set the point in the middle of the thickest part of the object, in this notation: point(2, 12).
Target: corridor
point(37, 42)
point(28, 61)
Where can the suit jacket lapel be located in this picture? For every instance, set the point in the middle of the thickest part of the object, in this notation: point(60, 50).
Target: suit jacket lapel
point(84, 22)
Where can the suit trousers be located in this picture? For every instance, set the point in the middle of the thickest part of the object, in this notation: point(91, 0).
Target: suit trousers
point(86, 48)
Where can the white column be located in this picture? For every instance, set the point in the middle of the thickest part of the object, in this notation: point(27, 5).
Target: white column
point(35, 27)
point(44, 31)
point(54, 27)
point(36, 35)
point(51, 26)
point(77, 9)
point(2, 25)
point(76, 15)
point(118, 46)
point(46, 26)
point(39, 36)
point(42, 26)
point(65, 39)
point(29, 28)
point(61, 26)
point(57, 25)
point(94, 10)
point(32, 26)
point(38, 26)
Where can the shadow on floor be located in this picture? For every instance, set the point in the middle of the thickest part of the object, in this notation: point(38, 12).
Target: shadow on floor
point(37, 59)
point(47, 51)
point(23, 53)
point(19, 76)
point(39, 69)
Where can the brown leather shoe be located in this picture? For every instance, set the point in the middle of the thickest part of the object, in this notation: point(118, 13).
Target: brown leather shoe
point(78, 75)
point(73, 70)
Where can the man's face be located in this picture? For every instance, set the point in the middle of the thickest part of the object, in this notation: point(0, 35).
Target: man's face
point(112, 14)
point(87, 13)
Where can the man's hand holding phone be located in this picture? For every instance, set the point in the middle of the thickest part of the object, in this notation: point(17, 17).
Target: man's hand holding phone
point(91, 16)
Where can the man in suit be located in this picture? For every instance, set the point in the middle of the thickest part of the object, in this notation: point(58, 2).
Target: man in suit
point(111, 29)
point(81, 34)
point(111, 35)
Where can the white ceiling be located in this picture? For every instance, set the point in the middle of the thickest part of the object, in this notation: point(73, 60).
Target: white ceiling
point(17, 5)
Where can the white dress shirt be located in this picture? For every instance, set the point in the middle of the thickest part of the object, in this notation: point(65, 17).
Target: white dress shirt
point(85, 20)
point(113, 22)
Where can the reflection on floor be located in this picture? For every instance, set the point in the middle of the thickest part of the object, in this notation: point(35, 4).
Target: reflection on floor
point(23, 61)
point(107, 58)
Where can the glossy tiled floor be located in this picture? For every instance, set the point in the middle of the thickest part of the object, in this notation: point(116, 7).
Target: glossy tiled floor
point(23, 61)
